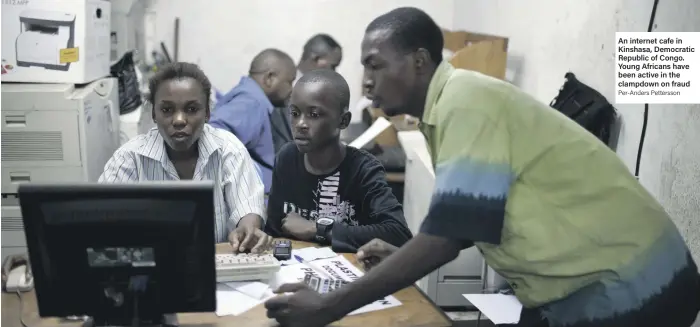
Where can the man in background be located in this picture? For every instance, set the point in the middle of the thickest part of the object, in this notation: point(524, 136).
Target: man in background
point(245, 110)
point(320, 51)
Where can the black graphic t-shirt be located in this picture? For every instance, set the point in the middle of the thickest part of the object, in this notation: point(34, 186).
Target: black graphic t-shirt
point(356, 195)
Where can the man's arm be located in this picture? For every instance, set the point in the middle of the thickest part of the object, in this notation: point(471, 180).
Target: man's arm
point(243, 190)
point(473, 177)
point(242, 117)
point(385, 217)
point(120, 168)
point(417, 258)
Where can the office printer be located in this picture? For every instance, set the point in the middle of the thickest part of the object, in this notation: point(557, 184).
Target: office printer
point(42, 35)
point(53, 133)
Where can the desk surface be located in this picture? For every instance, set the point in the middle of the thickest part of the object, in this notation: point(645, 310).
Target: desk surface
point(416, 310)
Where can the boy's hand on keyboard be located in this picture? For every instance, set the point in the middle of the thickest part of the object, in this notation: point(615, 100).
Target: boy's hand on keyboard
point(248, 237)
point(300, 228)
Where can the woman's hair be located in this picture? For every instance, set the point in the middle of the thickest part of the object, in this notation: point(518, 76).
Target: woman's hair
point(179, 70)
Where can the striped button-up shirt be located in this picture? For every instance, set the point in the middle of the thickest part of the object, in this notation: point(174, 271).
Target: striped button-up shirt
point(223, 159)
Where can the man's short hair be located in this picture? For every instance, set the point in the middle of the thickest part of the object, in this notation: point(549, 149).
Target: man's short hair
point(268, 59)
point(339, 88)
point(319, 44)
point(411, 29)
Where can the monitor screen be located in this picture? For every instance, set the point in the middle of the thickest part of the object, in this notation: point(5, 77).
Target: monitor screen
point(101, 242)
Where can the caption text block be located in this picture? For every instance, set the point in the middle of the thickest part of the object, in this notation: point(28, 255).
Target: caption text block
point(657, 67)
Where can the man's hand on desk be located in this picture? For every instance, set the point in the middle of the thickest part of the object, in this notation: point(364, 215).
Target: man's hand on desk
point(304, 308)
point(370, 254)
point(299, 227)
point(248, 235)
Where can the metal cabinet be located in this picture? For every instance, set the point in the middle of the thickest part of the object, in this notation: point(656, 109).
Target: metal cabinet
point(465, 274)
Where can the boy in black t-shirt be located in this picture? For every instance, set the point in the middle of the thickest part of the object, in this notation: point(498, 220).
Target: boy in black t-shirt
point(323, 190)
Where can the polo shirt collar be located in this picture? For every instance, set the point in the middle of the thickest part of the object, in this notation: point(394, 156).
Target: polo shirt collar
point(437, 84)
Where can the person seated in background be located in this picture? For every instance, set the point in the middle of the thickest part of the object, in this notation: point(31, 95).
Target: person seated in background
point(320, 51)
point(279, 124)
point(183, 147)
point(324, 191)
point(245, 110)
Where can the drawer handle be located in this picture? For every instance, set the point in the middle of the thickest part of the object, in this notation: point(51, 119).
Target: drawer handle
point(454, 279)
point(16, 120)
point(20, 177)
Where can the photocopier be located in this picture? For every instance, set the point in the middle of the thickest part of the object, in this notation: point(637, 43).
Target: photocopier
point(43, 34)
point(53, 133)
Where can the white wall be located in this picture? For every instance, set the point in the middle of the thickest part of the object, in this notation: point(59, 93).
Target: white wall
point(224, 35)
point(547, 38)
point(670, 166)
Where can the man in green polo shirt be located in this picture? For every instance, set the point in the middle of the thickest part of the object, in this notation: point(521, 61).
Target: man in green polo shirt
point(552, 209)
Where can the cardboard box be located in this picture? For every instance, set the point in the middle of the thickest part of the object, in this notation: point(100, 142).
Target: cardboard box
point(55, 41)
point(399, 123)
point(483, 53)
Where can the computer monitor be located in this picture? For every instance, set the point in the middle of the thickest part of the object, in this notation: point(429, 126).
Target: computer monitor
point(123, 254)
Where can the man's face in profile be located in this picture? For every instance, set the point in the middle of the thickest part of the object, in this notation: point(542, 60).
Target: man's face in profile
point(389, 78)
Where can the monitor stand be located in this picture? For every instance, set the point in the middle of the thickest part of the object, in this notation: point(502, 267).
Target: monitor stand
point(136, 319)
point(166, 320)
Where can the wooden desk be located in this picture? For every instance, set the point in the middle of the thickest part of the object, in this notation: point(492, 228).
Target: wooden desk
point(416, 310)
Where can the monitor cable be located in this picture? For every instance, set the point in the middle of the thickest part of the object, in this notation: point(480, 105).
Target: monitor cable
point(21, 309)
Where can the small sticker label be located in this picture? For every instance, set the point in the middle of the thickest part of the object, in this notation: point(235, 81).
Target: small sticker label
point(69, 55)
point(6, 68)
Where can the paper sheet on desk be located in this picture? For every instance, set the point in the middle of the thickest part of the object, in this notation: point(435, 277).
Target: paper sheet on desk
point(371, 133)
point(231, 302)
point(310, 254)
point(337, 267)
point(255, 290)
point(499, 308)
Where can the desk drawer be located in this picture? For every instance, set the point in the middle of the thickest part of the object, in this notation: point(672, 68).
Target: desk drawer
point(449, 294)
point(468, 266)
